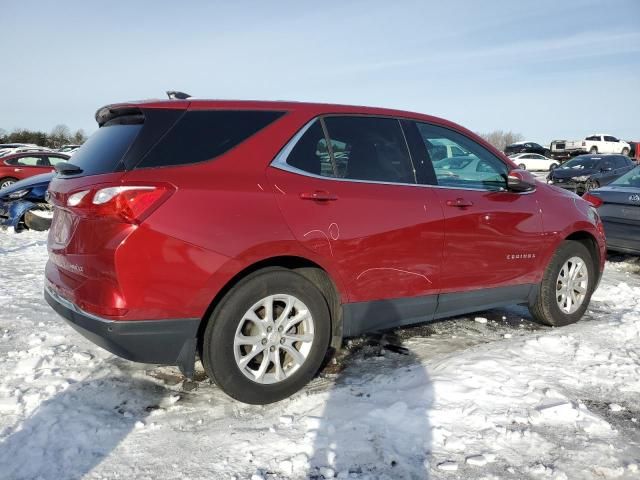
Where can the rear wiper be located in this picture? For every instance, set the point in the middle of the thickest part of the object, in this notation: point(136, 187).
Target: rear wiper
point(66, 168)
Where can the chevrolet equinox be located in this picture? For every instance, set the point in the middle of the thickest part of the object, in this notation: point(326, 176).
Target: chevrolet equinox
point(259, 235)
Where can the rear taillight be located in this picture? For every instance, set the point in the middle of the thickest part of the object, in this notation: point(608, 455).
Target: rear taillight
point(130, 203)
point(593, 200)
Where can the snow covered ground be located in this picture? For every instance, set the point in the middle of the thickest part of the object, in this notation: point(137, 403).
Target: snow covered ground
point(489, 396)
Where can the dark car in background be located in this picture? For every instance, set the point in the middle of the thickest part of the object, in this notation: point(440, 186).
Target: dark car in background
point(619, 207)
point(23, 205)
point(587, 172)
point(526, 147)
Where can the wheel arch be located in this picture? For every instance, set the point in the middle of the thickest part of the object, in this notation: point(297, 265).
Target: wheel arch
point(589, 241)
point(305, 267)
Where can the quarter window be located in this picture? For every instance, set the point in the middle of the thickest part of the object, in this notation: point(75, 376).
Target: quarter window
point(476, 168)
point(202, 135)
point(56, 160)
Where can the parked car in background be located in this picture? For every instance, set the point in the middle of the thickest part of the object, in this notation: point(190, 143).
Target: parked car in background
point(598, 143)
point(586, 172)
point(533, 161)
point(619, 207)
point(634, 153)
point(557, 150)
point(69, 149)
point(8, 148)
point(19, 166)
point(287, 264)
point(23, 204)
point(526, 147)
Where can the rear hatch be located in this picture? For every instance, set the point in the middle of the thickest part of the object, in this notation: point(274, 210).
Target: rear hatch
point(85, 231)
point(98, 204)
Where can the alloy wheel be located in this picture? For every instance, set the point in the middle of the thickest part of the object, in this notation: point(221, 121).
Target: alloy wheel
point(273, 338)
point(572, 284)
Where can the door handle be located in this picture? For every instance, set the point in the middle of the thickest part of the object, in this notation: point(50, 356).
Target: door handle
point(319, 195)
point(17, 169)
point(459, 202)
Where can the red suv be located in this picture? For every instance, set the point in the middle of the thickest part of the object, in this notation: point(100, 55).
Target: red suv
point(260, 234)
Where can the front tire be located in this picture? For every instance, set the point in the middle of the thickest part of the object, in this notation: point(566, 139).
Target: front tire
point(567, 285)
point(522, 166)
point(591, 185)
point(553, 166)
point(625, 151)
point(268, 337)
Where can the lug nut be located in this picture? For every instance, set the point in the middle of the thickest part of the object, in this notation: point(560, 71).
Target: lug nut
point(269, 329)
point(280, 329)
point(272, 348)
point(264, 341)
point(282, 341)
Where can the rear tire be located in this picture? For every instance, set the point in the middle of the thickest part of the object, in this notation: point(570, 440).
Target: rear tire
point(593, 150)
point(625, 151)
point(549, 306)
point(6, 181)
point(264, 371)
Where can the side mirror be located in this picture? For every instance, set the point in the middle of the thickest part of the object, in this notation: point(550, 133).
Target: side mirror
point(520, 181)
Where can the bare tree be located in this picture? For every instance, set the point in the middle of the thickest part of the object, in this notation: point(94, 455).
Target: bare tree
point(79, 137)
point(59, 135)
point(500, 139)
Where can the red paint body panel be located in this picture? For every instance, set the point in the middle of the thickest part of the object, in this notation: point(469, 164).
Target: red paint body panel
point(21, 172)
point(376, 241)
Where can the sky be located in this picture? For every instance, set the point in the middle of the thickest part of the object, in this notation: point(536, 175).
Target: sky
point(544, 69)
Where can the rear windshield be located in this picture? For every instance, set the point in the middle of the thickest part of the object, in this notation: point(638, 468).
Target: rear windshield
point(629, 179)
point(102, 152)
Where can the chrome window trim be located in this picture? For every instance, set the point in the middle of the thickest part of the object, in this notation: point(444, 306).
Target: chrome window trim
point(288, 168)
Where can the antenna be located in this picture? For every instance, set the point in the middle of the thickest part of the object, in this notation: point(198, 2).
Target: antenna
point(175, 95)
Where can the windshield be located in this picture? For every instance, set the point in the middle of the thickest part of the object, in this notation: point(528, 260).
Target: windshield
point(580, 163)
point(629, 179)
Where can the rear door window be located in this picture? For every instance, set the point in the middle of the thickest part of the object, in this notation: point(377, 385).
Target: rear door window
point(370, 148)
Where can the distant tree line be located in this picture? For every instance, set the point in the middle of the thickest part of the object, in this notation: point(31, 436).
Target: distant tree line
point(60, 135)
point(500, 139)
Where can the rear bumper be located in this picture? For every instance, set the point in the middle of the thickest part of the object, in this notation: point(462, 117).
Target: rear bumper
point(166, 342)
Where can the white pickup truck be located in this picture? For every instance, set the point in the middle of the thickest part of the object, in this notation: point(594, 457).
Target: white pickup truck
point(599, 143)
